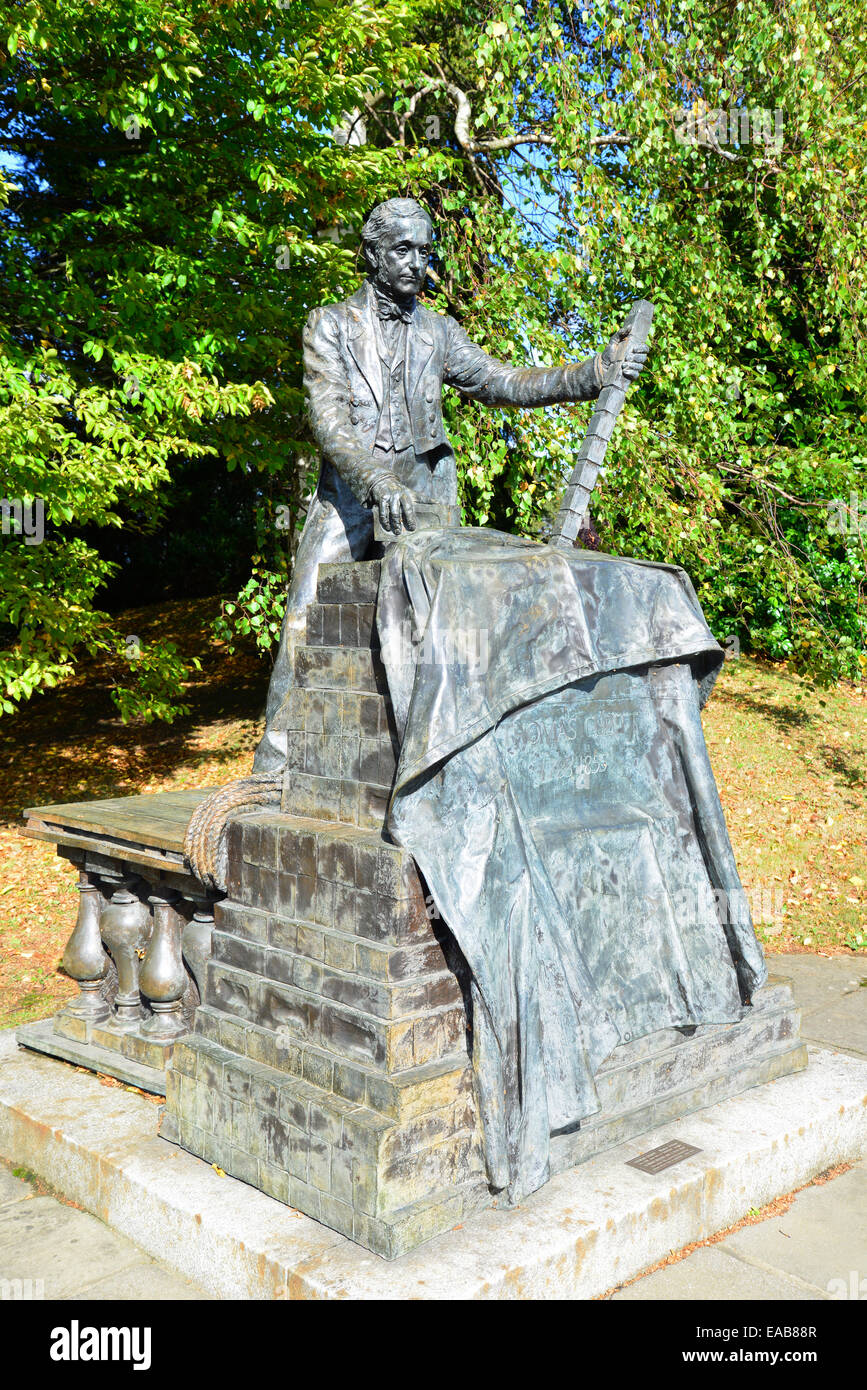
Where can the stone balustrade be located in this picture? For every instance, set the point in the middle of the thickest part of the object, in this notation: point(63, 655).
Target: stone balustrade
point(141, 939)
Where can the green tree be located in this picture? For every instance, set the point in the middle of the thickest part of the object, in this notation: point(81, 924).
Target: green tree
point(182, 202)
point(169, 173)
point(711, 161)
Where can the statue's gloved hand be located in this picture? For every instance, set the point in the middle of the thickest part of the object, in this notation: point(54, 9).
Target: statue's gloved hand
point(633, 359)
point(395, 504)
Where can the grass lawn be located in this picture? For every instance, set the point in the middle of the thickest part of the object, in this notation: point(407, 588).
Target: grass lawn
point(792, 776)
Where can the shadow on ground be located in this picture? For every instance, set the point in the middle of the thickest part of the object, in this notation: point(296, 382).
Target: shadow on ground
point(70, 744)
point(789, 717)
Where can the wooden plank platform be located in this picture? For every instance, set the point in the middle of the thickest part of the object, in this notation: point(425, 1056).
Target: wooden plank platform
point(147, 831)
point(159, 820)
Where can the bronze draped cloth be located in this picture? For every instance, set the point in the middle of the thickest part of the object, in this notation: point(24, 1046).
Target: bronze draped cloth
point(555, 791)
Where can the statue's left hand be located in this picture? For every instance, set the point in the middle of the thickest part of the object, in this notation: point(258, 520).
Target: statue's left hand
point(633, 361)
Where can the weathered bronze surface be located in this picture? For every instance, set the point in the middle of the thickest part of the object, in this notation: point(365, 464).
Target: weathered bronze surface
point(141, 940)
point(493, 820)
point(555, 791)
point(553, 783)
point(573, 506)
point(374, 369)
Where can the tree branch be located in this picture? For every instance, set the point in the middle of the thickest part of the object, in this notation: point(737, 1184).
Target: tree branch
point(468, 142)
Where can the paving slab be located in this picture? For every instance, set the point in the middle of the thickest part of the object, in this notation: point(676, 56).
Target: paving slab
point(817, 1249)
point(711, 1274)
point(147, 1281)
point(832, 995)
point(841, 1025)
point(820, 1239)
point(64, 1249)
point(13, 1189)
point(588, 1229)
point(818, 976)
point(64, 1253)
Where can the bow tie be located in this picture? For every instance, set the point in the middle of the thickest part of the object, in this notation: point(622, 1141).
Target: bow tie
point(388, 309)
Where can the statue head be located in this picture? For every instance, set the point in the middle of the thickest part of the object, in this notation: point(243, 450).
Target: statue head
point(397, 243)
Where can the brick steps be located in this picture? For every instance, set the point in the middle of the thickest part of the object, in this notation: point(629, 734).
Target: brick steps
point(367, 1174)
point(329, 1063)
point(342, 745)
point(401, 1096)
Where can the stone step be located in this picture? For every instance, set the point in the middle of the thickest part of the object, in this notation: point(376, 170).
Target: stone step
point(349, 583)
point(345, 713)
point(421, 957)
point(305, 870)
point(603, 1223)
point(334, 1159)
point(344, 983)
point(300, 1012)
point(334, 799)
point(339, 668)
point(403, 1095)
point(651, 1080)
point(340, 854)
point(347, 757)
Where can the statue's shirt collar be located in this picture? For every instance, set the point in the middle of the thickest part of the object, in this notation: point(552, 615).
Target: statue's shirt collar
point(387, 308)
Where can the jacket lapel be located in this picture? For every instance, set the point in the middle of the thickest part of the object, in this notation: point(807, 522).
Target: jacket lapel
point(419, 346)
point(362, 342)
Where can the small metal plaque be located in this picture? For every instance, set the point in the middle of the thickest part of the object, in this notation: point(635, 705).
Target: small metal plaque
point(664, 1157)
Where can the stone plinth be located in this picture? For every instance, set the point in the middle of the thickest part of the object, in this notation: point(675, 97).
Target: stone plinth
point(587, 1230)
point(329, 1064)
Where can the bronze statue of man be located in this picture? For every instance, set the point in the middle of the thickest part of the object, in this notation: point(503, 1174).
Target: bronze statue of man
point(374, 369)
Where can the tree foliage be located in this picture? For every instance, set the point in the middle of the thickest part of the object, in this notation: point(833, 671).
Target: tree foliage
point(711, 161)
point(174, 170)
point(179, 201)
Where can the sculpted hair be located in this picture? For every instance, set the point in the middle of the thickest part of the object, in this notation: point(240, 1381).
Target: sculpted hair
point(384, 214)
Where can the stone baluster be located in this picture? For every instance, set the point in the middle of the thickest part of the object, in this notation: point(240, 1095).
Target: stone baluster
point(196, 943)
point(84, 958)
point(126, 924)
point(163, 977)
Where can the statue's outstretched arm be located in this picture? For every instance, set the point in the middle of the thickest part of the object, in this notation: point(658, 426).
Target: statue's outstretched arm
point(475, 373)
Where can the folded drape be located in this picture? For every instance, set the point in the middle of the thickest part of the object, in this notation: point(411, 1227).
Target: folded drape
point(555, 791)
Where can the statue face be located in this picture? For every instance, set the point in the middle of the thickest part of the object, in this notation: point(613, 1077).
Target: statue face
point(402, 256)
